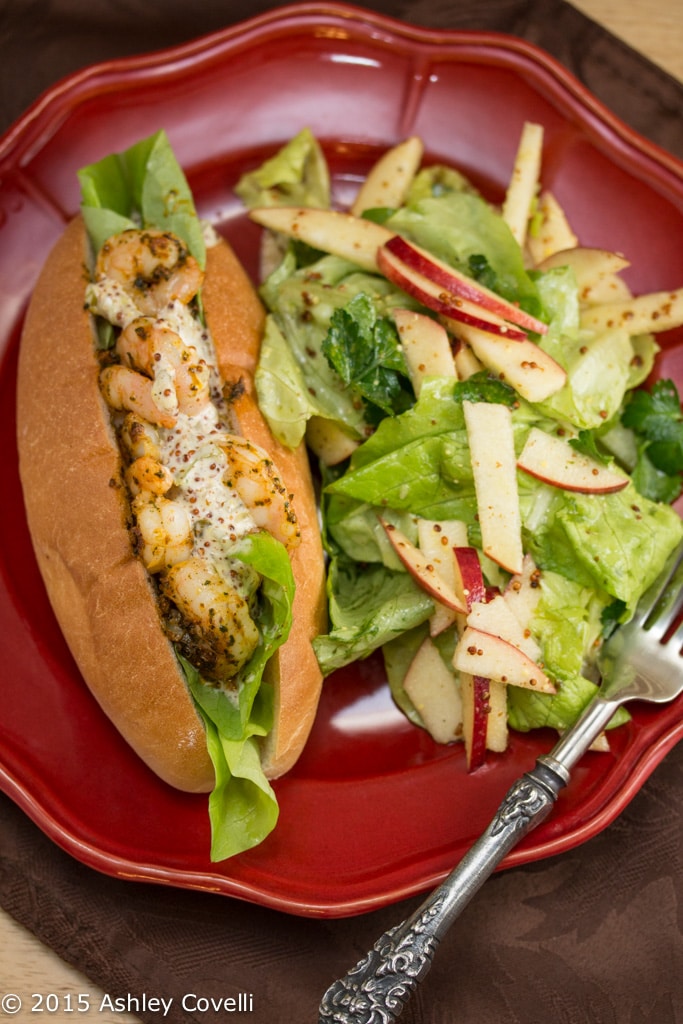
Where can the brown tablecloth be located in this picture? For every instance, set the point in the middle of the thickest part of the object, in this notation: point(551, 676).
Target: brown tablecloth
point(591, 936)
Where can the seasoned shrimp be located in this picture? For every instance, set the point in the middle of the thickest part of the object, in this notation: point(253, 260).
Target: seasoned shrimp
point(139, 437)
point(148, 474)
point(252, 474)
point(164, 530)
point(155, 268)
point(154, 348)
point(126, 389)
point(220, 635)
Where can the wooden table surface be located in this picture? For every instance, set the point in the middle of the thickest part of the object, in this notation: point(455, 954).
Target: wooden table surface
point(656, 30)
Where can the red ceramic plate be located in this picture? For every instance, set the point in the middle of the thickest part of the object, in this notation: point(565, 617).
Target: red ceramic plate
point(374, 811)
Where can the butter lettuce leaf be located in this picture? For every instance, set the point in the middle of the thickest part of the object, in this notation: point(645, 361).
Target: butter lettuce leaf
point(601, 367)
point(141, 186)
point(459, 225)
point(368, 606)
point(302, 302)
point(420, 461)
point(528, 710)
point(242, 806)
point(614, 543)
point(297, 175)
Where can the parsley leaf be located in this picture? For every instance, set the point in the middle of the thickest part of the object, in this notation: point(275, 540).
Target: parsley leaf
point(657, 420)
point(585, 442)
point(656, 416)
point(364, 349)
point(480, 387)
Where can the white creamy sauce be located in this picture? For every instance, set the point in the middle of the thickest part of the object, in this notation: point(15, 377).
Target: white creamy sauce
point(190, 449)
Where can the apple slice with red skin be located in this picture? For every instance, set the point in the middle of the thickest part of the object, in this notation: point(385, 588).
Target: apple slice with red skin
point(436, 298)
point(469, 579)
point(437, 540)
point(475, 695)
point(433, 689)
point(481, 653)
point(495, 616)
point(464, 287)
point(554, 461)
point(524, 365)
point(422, 569)
point(484, 701)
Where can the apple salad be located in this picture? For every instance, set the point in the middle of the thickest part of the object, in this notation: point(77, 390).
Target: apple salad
point(496, 482)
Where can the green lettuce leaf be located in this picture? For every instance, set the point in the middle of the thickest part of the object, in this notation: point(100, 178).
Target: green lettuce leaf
point(601, 368)
point(614, 543)
point(243, 808)
point(420, 461)
point(457, 226)
point(368, 605)
point(143, 185)
point(528, 710)
point(297, 175)
point(235, 718)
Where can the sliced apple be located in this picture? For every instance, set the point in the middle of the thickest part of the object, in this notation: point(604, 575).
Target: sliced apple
point(466, 363)
point(475, 696)
point(495, 616)
point(469, 581)
point(328, 441)
point(389, 180)
point(589, 264)
point(523, 186)
point(440, 300)
point(435, 692)
point(484, 700)
point(554, 461)
point(422, 569)
point(341, 234)
point(523, 592)
point(491, 441)
point(653, 312)
point(425, 345)
point(555, 232)
point(522, 364)
point(455, 283)
point(497, 725)
point(437, 540)
point(484, 654)
point(595, 271)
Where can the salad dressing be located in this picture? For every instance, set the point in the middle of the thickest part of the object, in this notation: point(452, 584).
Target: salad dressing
point(191, 449)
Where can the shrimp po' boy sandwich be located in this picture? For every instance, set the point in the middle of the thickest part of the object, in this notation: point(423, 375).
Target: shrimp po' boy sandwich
point(178, 541)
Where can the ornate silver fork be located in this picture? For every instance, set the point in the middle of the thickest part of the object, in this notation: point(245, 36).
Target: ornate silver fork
point(640, 661)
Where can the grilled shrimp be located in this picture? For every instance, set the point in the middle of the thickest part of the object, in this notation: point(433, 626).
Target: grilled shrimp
point(164, 531)
point(153, 267)
point(126, 389)
point(154, 348)
point(251, 473)
point(139, 437)
point(148, 474)
point(220, 634)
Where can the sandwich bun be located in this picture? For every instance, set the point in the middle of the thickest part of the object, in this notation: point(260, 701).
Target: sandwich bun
point(79, 517)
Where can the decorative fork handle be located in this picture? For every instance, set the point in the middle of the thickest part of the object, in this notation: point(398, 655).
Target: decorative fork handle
point(378, 988)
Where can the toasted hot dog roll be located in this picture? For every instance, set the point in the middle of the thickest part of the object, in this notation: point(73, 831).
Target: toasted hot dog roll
point(79, 513)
